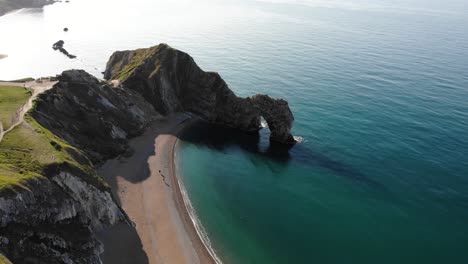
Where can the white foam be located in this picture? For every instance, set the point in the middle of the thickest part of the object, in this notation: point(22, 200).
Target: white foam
point(298, 139)
point(196, 222)
point(263, 122)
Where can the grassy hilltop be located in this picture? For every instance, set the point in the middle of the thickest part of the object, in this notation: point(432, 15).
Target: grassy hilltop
point(29, 150)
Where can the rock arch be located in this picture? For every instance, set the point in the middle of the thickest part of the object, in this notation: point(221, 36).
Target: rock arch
point(172, 82)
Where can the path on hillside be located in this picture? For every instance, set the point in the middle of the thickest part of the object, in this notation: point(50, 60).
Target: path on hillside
point(36, 88)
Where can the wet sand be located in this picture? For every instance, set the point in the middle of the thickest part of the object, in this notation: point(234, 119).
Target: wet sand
point(146, 186)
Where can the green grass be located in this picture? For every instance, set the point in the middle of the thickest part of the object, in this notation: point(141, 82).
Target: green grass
point(3, 259)
point(137, 60)
point(29, 150)
point(23, 80)
point(11, 99)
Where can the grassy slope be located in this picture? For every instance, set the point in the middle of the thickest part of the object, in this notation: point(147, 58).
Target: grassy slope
point(11, 99)
point(137, 60)
point(23, 80)
point(29, 149)
point(3, 259)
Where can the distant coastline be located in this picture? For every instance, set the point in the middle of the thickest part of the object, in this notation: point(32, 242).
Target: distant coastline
point(2, 56)
point(7, 6)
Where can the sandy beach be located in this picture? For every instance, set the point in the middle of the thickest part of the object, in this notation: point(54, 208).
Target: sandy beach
point(146, 186)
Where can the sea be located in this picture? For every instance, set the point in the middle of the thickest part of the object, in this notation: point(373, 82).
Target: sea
point(379, 92)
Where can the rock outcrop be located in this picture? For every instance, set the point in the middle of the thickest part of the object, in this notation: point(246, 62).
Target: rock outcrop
point(52, 219)
point(172, 82)
point(59, 46)
point(92, 115)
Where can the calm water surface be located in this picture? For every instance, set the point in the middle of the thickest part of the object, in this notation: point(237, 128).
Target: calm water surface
point(379, 92)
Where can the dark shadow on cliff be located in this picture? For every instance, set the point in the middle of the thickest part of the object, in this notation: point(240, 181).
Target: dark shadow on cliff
point(223, 139)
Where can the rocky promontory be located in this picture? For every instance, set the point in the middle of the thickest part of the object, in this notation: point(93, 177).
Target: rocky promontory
point(172, 82)
point(51, 199)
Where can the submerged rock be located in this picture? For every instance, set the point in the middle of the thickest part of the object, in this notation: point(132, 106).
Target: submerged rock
point(172, 82)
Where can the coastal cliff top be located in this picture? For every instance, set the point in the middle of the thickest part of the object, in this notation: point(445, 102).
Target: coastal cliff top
point(27, 149)
point(172, 82)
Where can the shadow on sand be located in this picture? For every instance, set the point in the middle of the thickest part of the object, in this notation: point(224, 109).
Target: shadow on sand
point(126, 249)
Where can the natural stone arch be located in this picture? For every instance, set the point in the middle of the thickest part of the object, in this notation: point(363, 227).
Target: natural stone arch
point(278, 116)
point(172, 82)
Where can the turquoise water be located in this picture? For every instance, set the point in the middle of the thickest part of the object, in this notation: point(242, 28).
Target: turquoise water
point(379, 91)
point(381, 99)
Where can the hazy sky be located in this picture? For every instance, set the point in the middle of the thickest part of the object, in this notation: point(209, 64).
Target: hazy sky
point(432, 5)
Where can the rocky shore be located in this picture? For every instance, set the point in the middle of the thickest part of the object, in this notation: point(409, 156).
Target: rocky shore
point(85, 122)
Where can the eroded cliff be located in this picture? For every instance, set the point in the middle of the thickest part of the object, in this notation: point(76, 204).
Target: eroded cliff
point(51, 200)
point(93, 116)
point(172, 82)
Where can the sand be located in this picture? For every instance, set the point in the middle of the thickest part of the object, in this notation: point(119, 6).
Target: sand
point(146, 186)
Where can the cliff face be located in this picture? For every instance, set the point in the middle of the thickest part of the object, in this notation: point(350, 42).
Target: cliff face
point(172, 82)
point(53, 221)
point(93, 116)
point(52, 217)
point(58, 201)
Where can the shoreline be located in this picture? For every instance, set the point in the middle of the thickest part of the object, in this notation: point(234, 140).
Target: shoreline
point(146, 186)
point(185, 205)
point(7, 8)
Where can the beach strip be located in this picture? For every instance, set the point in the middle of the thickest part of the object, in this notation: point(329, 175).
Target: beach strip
point(146, 186)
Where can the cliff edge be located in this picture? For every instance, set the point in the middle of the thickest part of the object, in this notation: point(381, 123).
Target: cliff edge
point(51, 199)
point(172, 82)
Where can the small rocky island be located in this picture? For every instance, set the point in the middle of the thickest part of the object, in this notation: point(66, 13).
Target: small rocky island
point(50, 192)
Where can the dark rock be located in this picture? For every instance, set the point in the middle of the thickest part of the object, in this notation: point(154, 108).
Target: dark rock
point(54, 219)
point(93, 116)
point(65, 29)
point(172, 82)
point(59, 46)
